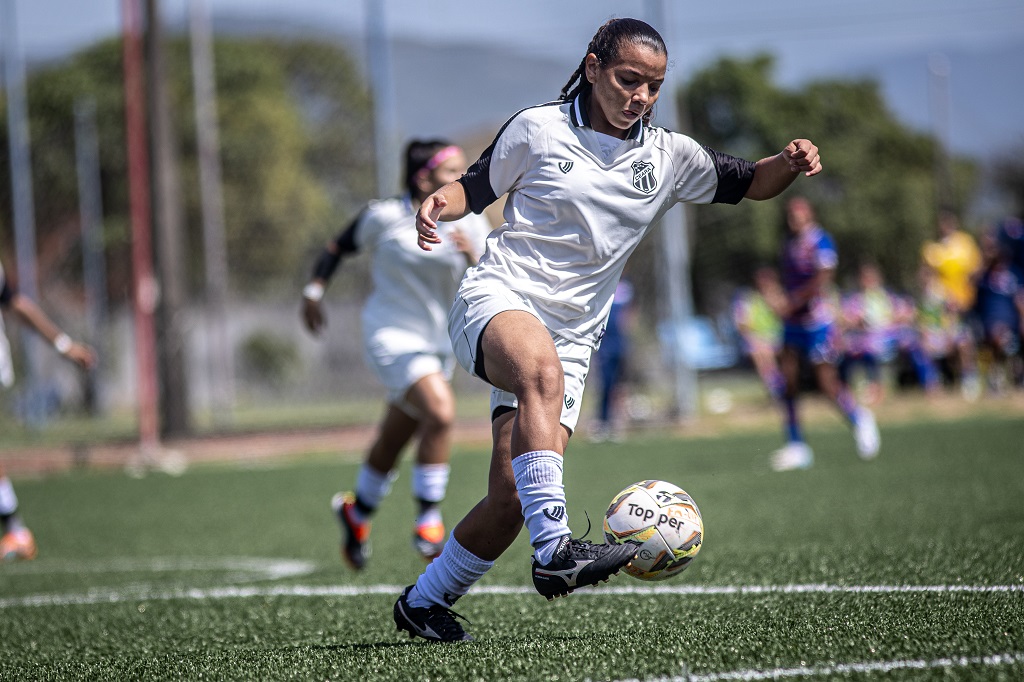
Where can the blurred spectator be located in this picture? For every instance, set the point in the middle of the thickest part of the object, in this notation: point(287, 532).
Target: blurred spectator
point(1011, 235)
point(945, 338)
point(954, 257)
point(869, 330)
point(612, 363)
point(760, 329)
point(999, 310)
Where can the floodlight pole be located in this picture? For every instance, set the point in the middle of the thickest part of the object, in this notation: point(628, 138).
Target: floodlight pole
point(379, 73)
point(675, 264)
point(219, 356)
point(146, 292)
point(94, 267)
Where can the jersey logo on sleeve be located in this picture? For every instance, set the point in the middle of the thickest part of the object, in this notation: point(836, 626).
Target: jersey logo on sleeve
point(565, 166)
point(643, 176)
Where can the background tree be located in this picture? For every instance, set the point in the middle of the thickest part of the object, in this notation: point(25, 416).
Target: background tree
point(295, 144)
point(877, 195)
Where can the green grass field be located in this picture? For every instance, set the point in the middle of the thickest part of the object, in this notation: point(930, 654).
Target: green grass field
point(908, 567)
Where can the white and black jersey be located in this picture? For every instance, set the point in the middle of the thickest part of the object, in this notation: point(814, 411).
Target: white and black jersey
point(574, 212)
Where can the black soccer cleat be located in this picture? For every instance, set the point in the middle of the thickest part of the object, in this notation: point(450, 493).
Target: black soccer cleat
point(578, 563)
point(435, 623)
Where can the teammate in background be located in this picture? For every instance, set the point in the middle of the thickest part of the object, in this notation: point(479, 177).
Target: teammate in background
point(999, 310)
point(868, 323)
point(955, 258)
point(760, 329)
point(586, 178)
point(809, 261)
point(406, 343)
point(612, 363)
point(16, 541)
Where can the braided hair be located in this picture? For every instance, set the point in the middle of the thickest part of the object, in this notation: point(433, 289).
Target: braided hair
point(605, 46)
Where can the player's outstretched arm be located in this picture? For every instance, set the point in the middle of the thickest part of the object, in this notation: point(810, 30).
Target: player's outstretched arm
point(774, 174)
point(78, 353)
point(448, 203)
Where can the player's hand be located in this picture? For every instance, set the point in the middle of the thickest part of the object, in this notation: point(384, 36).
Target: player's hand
point(426, 220)
point(313, 316)
point(464, 245)
point(802, 156)
point(82, 355)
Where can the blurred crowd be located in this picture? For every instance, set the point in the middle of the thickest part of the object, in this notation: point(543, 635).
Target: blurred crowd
point(961, 326)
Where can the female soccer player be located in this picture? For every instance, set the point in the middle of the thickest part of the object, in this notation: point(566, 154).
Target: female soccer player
point(405, 342)
point(16, 540)
point(586, 178)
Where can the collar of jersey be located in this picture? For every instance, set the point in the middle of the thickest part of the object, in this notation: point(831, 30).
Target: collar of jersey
point(579, 117)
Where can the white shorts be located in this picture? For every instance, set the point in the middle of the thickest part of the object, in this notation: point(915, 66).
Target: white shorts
point(398, 372)
point(474, 308)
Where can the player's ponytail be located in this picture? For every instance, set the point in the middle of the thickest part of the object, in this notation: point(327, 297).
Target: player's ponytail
point(605, 46)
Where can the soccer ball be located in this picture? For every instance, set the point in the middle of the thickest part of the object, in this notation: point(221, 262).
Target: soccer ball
point(663, 521)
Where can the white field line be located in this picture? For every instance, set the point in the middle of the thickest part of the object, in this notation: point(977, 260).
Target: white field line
point(846, 668)
point(108, 596)
point(260, 567)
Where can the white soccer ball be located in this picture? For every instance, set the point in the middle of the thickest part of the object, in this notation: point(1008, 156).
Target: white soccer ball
point(663, 521)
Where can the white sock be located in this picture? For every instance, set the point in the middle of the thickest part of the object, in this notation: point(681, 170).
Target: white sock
point(8, 500)
point(371, 487)
point(448, 577)
point(430, 481)
point(539, 482)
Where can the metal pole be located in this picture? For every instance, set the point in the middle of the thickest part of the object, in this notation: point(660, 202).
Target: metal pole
point(170, 235)
point(22, 201)
point(938, 90)
point(146, 290)
point(94, 267)
point(378, 57)
point(221, 363)
point(675, 265)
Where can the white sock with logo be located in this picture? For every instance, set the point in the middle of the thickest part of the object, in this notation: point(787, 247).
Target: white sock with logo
point(371, 487)
point(448, 577)
point(539, 483)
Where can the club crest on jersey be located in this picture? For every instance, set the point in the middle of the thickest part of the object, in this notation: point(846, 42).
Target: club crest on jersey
point(565, 166)
point(643, 176)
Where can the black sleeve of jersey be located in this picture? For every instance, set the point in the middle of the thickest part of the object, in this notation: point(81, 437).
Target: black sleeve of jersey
point(477, 182)
point(343, 245)
point(734, 177)
point(7, 293)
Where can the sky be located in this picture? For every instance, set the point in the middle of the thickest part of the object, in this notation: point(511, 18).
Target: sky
point(982, 40)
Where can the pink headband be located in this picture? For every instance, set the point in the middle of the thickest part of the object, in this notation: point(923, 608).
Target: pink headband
point(441, 156)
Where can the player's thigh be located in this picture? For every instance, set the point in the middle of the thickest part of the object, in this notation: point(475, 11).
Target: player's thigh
point(432, 398)
point(519, 354)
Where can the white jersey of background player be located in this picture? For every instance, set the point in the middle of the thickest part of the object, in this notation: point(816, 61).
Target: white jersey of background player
point(408, 309)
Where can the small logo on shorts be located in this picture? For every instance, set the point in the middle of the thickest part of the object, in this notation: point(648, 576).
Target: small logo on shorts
point(569, 401)
point(565, 166)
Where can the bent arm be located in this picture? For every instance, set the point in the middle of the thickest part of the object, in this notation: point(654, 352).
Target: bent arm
point(446, 204)
point(772, 175)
